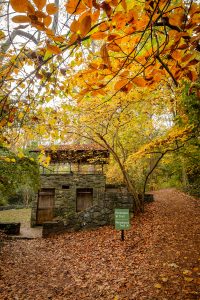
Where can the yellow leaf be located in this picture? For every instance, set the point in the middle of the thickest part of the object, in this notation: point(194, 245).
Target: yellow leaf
point(19, 5)
point(47, 21)
point(120, 84)
point(39, 3)
point(187, 272)
point(195, 269)
point(158, 286)
point(75, 7)
point(20, 115)
point(188, 279)
point(21, 19)
point(164, 279)
point(85, 25)
point(2, 35)
point(7, 159)
point(20, 155)
point(53, 49)
point(51, 9)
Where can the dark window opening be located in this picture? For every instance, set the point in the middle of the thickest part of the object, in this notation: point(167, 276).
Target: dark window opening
point(84, 199)
point(65, 187)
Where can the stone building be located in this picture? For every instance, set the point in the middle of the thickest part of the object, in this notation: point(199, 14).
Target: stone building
point(73, 189)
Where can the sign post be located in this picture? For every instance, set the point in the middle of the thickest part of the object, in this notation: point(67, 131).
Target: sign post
point(122, 220)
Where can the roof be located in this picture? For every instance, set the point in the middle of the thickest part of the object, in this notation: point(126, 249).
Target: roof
point(82, 153)
point(73, 147)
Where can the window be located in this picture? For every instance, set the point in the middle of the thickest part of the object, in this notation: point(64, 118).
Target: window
point(84, 198)
point(65, 187)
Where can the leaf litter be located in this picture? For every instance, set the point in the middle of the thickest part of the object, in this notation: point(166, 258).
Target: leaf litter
point(159, 259)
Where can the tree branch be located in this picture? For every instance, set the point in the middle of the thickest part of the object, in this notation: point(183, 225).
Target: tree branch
point(18, 32)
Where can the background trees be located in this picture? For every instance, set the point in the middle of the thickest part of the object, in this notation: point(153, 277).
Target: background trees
point(18, 177)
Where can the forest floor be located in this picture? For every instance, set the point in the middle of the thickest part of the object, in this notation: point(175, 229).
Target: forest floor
point(159, 259)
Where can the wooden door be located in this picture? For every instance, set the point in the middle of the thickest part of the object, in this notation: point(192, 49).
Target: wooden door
point(84, 199)
point(45, 205)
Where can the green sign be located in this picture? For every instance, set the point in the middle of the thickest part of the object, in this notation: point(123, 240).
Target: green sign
point(122, 219)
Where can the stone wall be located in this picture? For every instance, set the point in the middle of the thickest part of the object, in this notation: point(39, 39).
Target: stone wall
point(101, 212)
point(66, 186)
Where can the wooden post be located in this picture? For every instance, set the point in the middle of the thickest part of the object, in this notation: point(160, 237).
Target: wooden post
point(122, 235)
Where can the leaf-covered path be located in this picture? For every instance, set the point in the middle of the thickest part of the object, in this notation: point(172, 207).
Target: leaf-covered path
point(158, 260)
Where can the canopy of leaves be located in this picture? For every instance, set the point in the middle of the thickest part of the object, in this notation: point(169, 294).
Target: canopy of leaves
point(91, 48)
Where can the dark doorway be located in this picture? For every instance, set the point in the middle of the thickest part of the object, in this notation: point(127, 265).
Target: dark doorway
point(84, 198)
point(45, 205)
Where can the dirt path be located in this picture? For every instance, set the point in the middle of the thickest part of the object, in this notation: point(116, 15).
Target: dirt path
point(159, 260)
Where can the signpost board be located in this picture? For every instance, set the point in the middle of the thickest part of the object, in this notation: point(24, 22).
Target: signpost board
point(122, 220)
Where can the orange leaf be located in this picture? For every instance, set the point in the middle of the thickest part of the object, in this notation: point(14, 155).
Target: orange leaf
point(38, 25)
point(21, 19)
point(31, 9)
point(47, 21)
point(53, 49)
point(105, 56)
point(50, 33)
point(186, 57)
point(123, 3)
point(85, 25)
point(51, 9)
point(113, 36)
point(39, 3)
point(104, 26)
point(177, 55)
point(88, 3)
point(75, 26)
point(73, 38)
point(139, 81)
point(177, 18)
point(40, 14)
point(113, 47)
point(93, 66)
point(120, 84)
point(19, 6)
point(75, 7)
point(114, 2)
point(125, 73)
point(59, 39)
point(98, 35)
point(95, 16)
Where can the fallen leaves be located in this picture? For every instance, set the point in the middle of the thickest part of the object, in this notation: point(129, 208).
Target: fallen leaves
point(157, 260)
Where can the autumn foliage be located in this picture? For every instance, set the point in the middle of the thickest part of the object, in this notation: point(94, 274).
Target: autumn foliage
point(73, 71)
